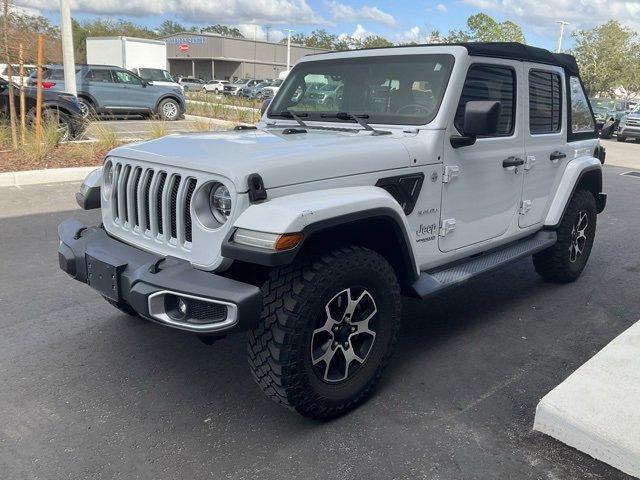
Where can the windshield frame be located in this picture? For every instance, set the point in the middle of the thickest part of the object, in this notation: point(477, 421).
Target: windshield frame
point(291, 83)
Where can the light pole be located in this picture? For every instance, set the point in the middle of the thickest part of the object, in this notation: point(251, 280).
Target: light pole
point(562, 24)
point(68, 61)
point(289, 49)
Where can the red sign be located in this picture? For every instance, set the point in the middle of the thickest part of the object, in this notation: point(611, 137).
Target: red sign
point(184, 47)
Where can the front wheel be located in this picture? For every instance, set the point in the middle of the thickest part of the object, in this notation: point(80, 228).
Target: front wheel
point(328, 328)
point(169, 110)
point(565, 261)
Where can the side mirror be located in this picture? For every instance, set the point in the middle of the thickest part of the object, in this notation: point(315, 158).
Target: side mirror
point(481, 119)
point(264, 106)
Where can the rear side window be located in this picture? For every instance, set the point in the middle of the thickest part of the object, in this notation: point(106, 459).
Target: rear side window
point(99, 75)
point(581, 118)
point(493, 83)
point(545, 102)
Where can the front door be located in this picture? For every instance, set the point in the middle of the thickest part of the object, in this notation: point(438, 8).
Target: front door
point(481, 195)
point(134, 94)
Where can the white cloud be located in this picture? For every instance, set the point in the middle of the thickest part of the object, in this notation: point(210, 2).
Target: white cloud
point(360, 33)
point(260, 32)
point(341, 12)
point(32, 12)
point(414, 35)
point(541, 15)
point(195, 11)
point(441, 7)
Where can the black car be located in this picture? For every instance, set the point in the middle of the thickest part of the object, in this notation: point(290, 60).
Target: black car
point(62, 107)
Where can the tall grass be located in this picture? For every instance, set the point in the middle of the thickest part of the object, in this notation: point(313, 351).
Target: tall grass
point(223, 112)
point(158, 129)
point(229, 100)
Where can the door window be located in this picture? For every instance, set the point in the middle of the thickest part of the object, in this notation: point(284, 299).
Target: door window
point(581, 117)
point(545, 102)
point(490, 83)
point(99, 75)
point(126, 77)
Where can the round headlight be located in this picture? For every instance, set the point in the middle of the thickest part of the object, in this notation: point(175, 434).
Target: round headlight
point(107, 179)
point(220, 202)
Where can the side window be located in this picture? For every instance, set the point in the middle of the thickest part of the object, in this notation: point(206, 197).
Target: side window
point(581, 118)
point(545, 102)
point(99, 75)
point(493, 83)
point(126, 77)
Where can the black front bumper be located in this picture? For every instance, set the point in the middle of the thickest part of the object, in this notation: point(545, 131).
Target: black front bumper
point(144, 281)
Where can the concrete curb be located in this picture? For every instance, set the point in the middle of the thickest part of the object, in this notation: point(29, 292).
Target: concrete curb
point(49, 175)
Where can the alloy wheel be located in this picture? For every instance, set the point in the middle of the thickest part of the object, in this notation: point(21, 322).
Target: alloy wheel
point(345, 336)
point(169, 110)
point(578, 237)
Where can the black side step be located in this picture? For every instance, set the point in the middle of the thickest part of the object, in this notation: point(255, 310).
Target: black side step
point(436, 281)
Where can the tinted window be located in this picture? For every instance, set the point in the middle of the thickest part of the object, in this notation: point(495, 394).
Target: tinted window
point(581, 118)
point(494, 83)
point(403, 89)
point(99, 75)
point(126, 77)
point(545, 102)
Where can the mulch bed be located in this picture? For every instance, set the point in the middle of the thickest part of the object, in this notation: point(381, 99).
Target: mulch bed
point(61, 157)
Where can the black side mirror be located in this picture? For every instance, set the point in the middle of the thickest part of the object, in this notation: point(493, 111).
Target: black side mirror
point(481, 119)
point(264, 106)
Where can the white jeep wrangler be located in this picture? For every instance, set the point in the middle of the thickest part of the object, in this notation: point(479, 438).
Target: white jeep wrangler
point(372, 174)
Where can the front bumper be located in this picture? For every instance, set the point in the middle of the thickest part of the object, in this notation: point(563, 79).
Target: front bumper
point(151, 284)
point(628, 131)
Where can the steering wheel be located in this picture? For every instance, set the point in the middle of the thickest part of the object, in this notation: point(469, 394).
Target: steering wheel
point(416, 106)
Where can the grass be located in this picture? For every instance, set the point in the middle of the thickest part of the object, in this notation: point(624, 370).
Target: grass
point(223, 112)
point(158, 129)
point(227, 100)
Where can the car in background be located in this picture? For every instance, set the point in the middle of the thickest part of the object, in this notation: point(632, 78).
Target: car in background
point(215, 86)
point(236, 87)
point(60, 107)
point(157, 76)
point(270, 90)
point(4, 72)
point(253, 90)
point(191, 84)
point(326, 94)
point(608, 113)
point(629, 126)
point(104, 89)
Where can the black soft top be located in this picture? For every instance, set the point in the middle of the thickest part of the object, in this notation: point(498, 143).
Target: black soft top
point(510, 50)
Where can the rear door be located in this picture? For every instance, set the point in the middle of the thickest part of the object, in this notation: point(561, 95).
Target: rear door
point(480, 196)
point(546, 147)
point(98, 82)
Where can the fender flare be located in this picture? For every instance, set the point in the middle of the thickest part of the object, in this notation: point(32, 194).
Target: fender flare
point(91, 98)
point(318, 211)
point(571, 178)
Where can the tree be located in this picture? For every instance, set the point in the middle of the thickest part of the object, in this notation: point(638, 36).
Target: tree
point(483, 28)
point(104, 28)
point(223, 30)
point(374, 41)
point(608, 58)
point(169, 27)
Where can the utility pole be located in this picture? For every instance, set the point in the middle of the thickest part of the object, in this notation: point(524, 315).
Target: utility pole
point(68, 60)
point(289, 49)
point(562, 24)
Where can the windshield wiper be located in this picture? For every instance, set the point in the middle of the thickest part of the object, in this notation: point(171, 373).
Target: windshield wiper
point(357, 119)
point(288, 114)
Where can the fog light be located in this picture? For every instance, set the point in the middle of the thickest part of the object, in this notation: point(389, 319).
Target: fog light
point(182, 307)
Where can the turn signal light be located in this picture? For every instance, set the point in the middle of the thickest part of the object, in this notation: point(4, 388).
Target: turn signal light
point(287, 241)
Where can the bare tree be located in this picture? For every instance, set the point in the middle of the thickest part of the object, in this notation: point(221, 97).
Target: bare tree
point(12, 102)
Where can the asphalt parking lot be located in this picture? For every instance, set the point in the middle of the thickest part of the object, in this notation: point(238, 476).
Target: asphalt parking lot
point(86, 392)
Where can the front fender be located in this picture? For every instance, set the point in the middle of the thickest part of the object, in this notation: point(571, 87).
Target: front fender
point(313, 212)
point(570, 180)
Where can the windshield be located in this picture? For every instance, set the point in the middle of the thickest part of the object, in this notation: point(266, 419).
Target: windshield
point(403, 90)
point(155, 74)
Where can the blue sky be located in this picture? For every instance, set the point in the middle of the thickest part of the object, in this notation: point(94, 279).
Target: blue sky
point(396, 20)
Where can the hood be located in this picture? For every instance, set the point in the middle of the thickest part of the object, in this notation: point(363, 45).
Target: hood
point(279, 158)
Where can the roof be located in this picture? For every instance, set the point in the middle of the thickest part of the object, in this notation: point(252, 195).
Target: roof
point(510, 50)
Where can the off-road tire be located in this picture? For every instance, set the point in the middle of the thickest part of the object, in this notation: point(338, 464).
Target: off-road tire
point(279, 349)
point(554, 264)
point(123, 307)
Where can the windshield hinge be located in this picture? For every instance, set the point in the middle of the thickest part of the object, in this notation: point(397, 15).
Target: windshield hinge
point(447, 226)
point(449, 173)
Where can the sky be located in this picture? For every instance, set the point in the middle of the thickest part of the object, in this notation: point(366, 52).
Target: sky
point(404, 20)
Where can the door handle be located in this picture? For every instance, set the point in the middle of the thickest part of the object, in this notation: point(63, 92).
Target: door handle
point(512, 162)
point(555, 156)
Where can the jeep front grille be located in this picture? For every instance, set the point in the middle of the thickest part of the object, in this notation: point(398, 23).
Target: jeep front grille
point(153, 203)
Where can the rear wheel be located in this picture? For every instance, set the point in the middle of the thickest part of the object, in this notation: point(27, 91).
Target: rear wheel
point(565, 261)
point(328, 328)
point(87, 109)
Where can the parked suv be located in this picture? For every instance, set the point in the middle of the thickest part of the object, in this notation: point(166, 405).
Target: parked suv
point(215, 86)
point(56, 107)
point(608, 113)
point(190, 84)
point(438, 164)
point(116, 91)
point(629, 126)
point(236, 87)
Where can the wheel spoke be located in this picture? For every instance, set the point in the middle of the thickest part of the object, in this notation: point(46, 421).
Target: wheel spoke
point(326, 357)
